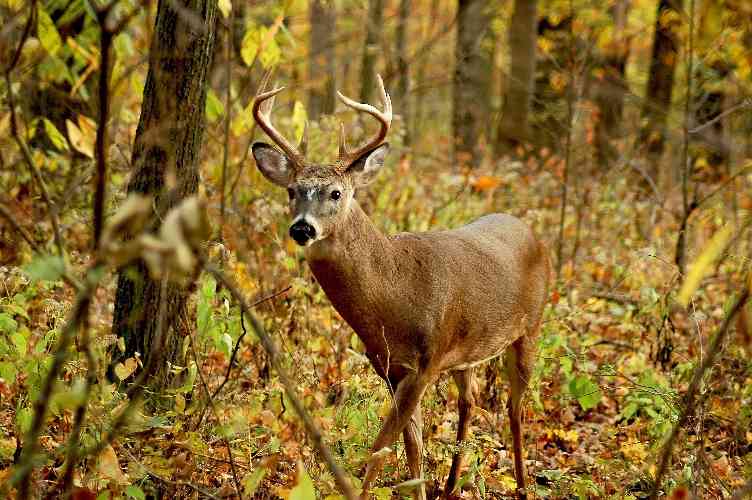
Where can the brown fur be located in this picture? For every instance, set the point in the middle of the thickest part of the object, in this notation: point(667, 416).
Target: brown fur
point(422, 303)
point(441, 301)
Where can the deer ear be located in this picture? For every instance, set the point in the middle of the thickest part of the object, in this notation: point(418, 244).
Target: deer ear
point(364, 169)
point(274, 165)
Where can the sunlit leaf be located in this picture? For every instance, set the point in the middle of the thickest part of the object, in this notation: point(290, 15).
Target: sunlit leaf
point(57, 139)
point(299, 118)
point(214, 106)
point(252, 480)
point(225, 6)
point(259, 42)
point(701, 266)
point(81, 141)
point(47, 32)
point(304, 490)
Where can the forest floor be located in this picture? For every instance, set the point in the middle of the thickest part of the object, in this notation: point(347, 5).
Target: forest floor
point(616, 353)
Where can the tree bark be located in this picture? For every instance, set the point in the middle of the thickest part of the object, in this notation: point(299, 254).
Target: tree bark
point(514, 127)
point(656, 107)
point(471, 82)
point(167, 146)
point(371, 48)
point(403, 83)
point(610, 86)
point(322, 61)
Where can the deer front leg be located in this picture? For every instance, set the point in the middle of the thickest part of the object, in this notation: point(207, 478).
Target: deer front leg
point(406, 399)
point(413, 436)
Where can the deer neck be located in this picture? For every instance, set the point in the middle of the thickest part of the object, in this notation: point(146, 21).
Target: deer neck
point(354, 263)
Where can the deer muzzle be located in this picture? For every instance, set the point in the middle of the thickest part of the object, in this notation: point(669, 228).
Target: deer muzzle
point(301, 231)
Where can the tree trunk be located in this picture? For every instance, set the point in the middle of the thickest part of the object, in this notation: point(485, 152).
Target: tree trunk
point(514, 127)
point(472, 74)
point(167, 145)
point(660, 82)
point(403, 83)
point(321, 60)
point(610, 86)
point(371, 48)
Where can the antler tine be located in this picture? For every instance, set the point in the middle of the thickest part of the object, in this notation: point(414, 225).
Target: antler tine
point(384, 118)
point(344, 150)
point(262, 109)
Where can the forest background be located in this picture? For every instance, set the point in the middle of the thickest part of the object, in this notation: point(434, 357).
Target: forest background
point(620, 130)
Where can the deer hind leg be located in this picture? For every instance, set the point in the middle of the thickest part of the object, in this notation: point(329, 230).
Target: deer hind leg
point(413, 436)
point(465, 403)
point(520, 358)
point(406, 399)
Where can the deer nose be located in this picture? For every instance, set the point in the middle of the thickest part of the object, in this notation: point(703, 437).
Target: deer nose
point(302, 231)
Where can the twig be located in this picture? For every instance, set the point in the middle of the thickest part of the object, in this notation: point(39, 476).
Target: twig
point(228, 108)
point(273, 352)
point(680, 252)
point(35, 172)
point(242, 335)
point(77, 317)
point(690, 397)
point(106, 34)
point(153, 474)
point(225, 440)
point(17, 227)
point(80, 417)
point(746, 103)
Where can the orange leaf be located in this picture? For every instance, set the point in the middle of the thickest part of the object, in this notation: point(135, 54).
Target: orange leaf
point(486, 183)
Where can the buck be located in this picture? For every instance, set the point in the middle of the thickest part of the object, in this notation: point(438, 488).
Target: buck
point(422, 303)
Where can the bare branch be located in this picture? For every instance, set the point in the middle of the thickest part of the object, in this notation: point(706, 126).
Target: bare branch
point(746, 103)
point(690, 398)
point(273, 352)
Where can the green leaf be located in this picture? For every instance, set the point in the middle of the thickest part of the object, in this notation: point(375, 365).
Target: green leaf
point(8, 325)
point(251, 45)
point(47, 32)
point(23, 419)
point(19, 341)
point(382, 493)
point(252, 480)
point(587, 392)
point(299, 119)
point(45, 268)
point(304, 489)
point(214, 107)
point(8, 371)
point(135, 492)
point(58, 140)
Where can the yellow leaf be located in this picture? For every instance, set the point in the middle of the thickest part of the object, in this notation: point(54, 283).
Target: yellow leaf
point(634, 451)
point(225, 6)
point(700, 267)
point(79, 140)
point(108, 467)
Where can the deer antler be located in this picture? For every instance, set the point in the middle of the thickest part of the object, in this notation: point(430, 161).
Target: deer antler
point(346, 156)
point(262, 109)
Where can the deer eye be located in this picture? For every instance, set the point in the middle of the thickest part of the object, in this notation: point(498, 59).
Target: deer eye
point(336, 194)
point(290, 193)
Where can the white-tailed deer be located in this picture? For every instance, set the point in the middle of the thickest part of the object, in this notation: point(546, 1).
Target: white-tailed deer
point(422, 303)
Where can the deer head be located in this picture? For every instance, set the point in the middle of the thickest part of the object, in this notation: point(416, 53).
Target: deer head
point(321, 195)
